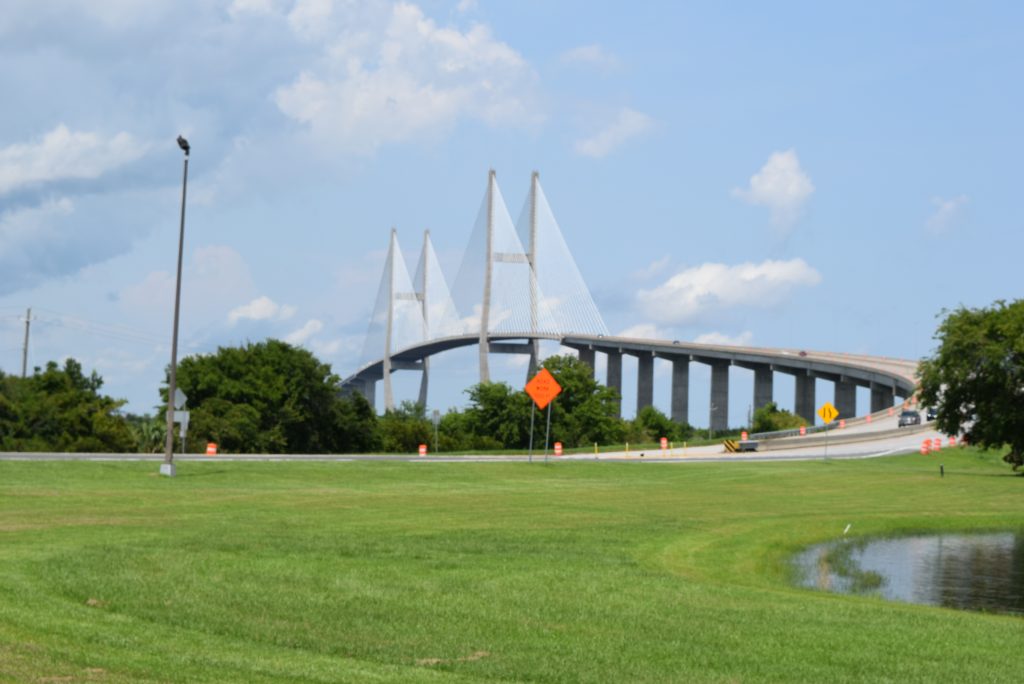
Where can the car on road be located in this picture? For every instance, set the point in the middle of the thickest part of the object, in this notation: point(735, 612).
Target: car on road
point(909, 418)
point(931, 413)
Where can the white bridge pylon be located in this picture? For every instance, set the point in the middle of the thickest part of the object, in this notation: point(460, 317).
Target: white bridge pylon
point(502, 288)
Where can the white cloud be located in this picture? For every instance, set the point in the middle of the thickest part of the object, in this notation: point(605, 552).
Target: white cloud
point(629, 124)
point(309, 18)
point(946, 213)
point(652, 269)
point(261, 309)
point(742, 340)
point(695, 291)
point(332, 347)
point(215, 277)
point(781, 185)
point(64, 154)
point(593, 55)
point(30, 224)
point(40, 242)
point(302, 335)
point(466, 6)
point(644, 331)
point(402, 77)
point(155, 289)
point(257, 7)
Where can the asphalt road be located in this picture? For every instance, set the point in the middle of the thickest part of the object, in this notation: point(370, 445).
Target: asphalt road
point(882, 441)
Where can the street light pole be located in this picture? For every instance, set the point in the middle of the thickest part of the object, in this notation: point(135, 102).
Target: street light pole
point(167, 468)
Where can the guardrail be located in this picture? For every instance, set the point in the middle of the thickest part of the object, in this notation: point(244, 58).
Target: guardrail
point(834, 425)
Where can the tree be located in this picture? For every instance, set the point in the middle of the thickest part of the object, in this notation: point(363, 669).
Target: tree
point(770, 418)
point(61, 409)
point(497, 417)
point(651, 425)
point(402, 430)
point(148, 432)
point(271, 397)
point(586, 411)
point(975, 379)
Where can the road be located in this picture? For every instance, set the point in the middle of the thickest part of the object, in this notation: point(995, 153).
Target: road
point(884, 442)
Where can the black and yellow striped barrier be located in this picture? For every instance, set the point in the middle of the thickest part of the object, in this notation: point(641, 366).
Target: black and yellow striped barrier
point(731, 445)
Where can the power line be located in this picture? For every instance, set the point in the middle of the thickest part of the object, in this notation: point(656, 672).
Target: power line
point(118, 332)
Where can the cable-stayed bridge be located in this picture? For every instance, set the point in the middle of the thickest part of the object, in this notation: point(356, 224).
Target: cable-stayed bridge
point(519, 284)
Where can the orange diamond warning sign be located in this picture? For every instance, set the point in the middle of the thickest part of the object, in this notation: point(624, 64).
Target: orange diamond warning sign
point(543, 388)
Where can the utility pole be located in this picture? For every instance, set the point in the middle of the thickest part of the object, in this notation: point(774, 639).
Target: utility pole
point(24, 349)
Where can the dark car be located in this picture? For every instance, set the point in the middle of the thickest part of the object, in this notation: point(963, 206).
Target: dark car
point(931, 414)
point(910, 418)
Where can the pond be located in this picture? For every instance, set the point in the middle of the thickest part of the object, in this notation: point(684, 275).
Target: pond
point(968, 571)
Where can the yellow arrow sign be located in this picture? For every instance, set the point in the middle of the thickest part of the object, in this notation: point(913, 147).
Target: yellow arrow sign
point(828, 412)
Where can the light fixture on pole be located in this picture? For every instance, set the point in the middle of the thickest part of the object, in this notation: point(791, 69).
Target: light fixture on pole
point(167, 467)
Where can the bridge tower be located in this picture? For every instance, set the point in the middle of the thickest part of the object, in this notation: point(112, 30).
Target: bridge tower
point(423, 280)
point(485, 307)
point(397, 320)
point(531, 256)
point(509, 282)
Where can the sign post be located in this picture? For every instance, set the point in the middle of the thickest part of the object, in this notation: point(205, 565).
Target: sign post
point(178, 415)
point(828, 413)
point(542, 388)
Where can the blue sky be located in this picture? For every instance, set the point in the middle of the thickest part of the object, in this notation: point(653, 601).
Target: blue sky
point(801, 174)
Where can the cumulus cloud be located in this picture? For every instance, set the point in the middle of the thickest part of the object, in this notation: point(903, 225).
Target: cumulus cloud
point(695, 291)
point(257, 7)
point(742, 340)
point(644, 331)
point(653, 269)
point(261, 309)
point(64, 154)
point(333, 346)
point(302, 335)
point(629, 124)
point(39, 242)
point(946, 213)
point(309, 18)
point(781, 185)
point(402, 77)
point(591, 55)
point(26, 224)
point(213, 279)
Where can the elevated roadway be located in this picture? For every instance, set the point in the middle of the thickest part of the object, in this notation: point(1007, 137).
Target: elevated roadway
point(887, 378)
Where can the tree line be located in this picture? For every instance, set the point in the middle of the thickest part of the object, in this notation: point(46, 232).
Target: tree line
point(272, 397)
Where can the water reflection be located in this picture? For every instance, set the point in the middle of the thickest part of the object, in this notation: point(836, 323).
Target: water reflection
point(967, 571)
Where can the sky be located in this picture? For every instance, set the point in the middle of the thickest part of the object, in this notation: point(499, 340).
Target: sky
point(823, 176)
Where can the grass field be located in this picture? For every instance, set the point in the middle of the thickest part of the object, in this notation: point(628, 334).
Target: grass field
point(409, 572)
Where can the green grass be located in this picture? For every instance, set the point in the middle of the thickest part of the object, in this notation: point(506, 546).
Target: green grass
point(407, 572)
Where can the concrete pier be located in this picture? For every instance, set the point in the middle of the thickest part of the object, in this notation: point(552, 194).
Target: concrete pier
point(719, 395)
point(804, 400)
point(846, 399)
point(763, 385)
point(588, 356)
point(681, 390)
point(615, 375)
point(644, 381)
point(882, 397)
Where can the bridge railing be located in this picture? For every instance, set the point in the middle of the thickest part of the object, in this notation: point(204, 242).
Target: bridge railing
point(833, 426)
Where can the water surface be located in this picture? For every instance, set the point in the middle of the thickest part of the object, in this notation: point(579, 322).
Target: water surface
point(968, 571)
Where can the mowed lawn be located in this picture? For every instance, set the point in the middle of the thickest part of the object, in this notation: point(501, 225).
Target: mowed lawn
point(408, 572)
